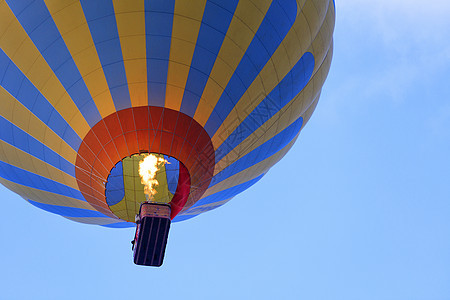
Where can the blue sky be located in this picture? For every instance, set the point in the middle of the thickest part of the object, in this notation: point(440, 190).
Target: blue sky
point(358, 209)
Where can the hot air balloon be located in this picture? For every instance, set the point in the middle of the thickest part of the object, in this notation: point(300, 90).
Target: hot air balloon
point(217, 90)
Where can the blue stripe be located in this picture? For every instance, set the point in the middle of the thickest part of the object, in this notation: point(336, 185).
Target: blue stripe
point(264, 151)
point(120, 225)
point(18, 138)
point(274, 27)
point(67, 211)
point(180, 218)
point(172, 173)
point(213, 29)
point(281, 95)
point(26, 178)
point(38, 23)
point(226, 194)
point(4, 63)
point(102, 24)
point(158, 31)
point(18, 85)
point(115, 187)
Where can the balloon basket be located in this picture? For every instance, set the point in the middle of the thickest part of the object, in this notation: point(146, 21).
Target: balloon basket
point(152, 231)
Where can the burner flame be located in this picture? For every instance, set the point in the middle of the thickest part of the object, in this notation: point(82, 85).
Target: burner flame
point(148, 167)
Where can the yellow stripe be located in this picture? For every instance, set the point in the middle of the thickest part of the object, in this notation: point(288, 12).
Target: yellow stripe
point(246, 21)
point(282, 61)
point(120, 209)
point(308, 113)
point(25, 161)
point(281, 120)
point(204, 208)
point(322, 37)
point(93, 221)
point(71, 22)
point(16, 113)
point(300, 4)
point(19, 47)
point(45, 197)
point(186, 25)
point(130, 17)
point(162, 190)
point(134, 189)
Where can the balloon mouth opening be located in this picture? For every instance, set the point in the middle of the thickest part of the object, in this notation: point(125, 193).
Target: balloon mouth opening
point(146, 178)
point(137, 131)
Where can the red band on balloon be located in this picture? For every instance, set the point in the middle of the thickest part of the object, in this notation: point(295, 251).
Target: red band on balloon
point(139, 130)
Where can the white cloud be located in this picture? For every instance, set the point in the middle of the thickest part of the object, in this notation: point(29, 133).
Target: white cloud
point(387, 51)
point(395, 20)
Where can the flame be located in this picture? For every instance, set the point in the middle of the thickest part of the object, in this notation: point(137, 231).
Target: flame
point(148, 167)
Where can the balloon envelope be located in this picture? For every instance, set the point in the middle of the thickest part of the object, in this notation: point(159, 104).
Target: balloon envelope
point(220, 88)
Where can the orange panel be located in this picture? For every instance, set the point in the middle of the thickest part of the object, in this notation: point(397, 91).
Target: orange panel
point(131, 139)
point(111, 150)
point(103, 164)
point(121, 145)
point(86, 154)
point(141, 118)
point(101, 132)
point(126, 119)
point(95, 146)
point(143, 140)
point(113, 125)
point(166, 142)
point(170, 120)
point(183, 125)
point(147, 129)
point(176, 146)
